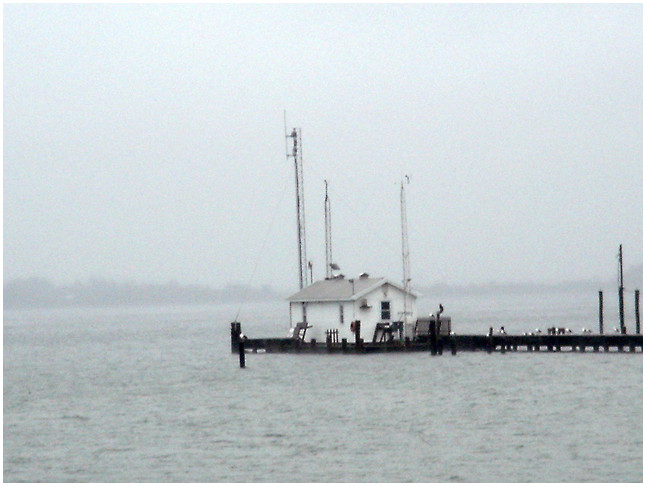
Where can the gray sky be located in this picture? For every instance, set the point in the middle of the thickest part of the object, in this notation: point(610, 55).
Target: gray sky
point(146, 142)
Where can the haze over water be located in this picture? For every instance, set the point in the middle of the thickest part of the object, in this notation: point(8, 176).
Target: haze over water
point(146, 142)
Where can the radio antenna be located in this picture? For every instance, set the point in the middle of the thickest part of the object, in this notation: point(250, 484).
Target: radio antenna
point(328, 234)
point(295, 135)
point(285, 131)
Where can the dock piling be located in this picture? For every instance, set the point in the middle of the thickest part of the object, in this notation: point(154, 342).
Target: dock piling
point(357, 325)
point(235, 336)
point(601, 312)
point(241, 352)
point(637, 307)
point(433, 342)
point(621, 296)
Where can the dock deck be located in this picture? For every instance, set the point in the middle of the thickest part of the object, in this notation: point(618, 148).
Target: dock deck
point(452, 344)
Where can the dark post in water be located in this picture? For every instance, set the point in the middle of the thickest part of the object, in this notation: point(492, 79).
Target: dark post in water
point(432, 337)
point(235, 336)
point(621, 295)
point(241, 352)
point(637, 306)
point(356, 327)
point(601, 314)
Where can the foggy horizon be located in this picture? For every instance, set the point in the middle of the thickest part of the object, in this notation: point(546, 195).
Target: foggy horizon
point(632, 276)
point(146, 143)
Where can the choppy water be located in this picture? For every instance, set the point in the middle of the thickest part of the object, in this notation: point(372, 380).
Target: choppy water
point(128, 395)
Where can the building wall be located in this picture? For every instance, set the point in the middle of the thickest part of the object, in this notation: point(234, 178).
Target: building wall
point(326, 315)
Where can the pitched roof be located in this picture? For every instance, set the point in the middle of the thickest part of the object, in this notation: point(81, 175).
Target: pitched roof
point(340, 289)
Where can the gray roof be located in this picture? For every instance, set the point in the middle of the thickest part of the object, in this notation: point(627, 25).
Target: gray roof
point(340, 289)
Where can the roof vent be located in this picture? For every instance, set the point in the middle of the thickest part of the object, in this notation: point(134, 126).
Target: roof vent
point(363, 275)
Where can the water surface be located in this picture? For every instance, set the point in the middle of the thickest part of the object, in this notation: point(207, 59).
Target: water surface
point(154, 394)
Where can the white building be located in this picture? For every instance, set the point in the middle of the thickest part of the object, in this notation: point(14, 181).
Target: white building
point(333, 304)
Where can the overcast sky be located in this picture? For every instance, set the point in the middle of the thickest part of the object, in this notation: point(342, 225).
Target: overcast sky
point(146, 142)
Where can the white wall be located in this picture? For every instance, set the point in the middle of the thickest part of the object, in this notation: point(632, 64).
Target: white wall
point(325, 315)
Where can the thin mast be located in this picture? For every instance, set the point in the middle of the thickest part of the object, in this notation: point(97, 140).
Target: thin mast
point(621, 294)
point(406, 273)
point(301, 219)
point(328, 234)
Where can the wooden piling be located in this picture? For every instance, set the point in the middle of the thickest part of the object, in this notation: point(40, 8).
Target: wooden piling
point(637, 309)
point(235, 336)
point(621, 297)
point(241, 353)
point(601, 312)
point(433, 342)
point(358, 341)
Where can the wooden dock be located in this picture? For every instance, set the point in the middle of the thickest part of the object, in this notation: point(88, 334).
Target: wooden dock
point(448, 344)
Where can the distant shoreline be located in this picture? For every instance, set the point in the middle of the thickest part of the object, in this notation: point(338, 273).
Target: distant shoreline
point(38, 292)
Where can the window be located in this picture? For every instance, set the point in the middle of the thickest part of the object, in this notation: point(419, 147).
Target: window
point(386, 310)
point(341, 313)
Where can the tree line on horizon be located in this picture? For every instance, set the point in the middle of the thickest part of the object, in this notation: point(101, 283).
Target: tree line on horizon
point(36, 292)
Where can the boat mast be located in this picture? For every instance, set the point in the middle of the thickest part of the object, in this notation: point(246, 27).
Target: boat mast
point(328, 234)
point(301, 219)
point(621, 292)
point(406, 273)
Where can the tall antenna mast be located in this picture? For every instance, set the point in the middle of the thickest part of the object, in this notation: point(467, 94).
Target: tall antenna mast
point(301, 218)
point(406, 273)
point(328, 235)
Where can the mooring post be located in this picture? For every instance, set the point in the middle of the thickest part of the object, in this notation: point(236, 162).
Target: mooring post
point(235, 335)
point(637, 306)
point(358, 341)
point(490, 344)
point(621, 297)
point(344, 344)
point(432, 338)
point(241, 352)
point(601, 312)
point(452, 343)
